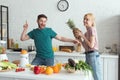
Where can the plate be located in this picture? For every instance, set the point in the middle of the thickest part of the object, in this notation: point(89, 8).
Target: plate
point(17, 49)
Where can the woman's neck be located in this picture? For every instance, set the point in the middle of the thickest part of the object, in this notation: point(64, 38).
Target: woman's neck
point(87, 27)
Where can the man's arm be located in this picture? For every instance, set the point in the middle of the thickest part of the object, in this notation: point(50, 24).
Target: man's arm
point(24, 36)
point(60, 38)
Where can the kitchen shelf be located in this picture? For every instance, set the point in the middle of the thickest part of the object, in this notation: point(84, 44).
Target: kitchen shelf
point(4, 25)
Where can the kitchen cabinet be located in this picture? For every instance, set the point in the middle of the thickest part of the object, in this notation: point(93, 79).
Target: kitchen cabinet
point(13, 56)
point(4, 30)
point(110, 69)
point(64, 59)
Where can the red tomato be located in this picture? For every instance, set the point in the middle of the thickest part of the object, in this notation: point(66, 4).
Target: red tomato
point(19, 69)
point(23, 69)
point(37, 70)
point(16, 70)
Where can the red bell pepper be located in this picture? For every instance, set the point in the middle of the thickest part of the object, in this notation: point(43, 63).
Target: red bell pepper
point(37, 70)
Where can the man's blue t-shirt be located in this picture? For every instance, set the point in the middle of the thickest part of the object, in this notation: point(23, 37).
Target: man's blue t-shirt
point(43, 41)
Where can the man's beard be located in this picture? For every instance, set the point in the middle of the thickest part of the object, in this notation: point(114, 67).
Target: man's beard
point(41, 26)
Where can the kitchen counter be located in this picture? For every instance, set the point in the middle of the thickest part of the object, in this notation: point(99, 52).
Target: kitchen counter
point(109, 61)
point(77, 54)
point(29, 75)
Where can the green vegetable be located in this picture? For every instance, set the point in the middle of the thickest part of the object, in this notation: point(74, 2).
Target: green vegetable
point(7, 65)
point(81, 65)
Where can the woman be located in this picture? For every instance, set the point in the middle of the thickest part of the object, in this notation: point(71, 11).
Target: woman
point(89, 41)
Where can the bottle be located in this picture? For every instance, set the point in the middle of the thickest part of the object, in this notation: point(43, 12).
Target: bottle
point(12, 43)
point(16, 45)
point(55, 48)
point(114, 48)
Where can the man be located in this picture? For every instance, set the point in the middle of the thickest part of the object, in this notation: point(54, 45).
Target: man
point(42, 37)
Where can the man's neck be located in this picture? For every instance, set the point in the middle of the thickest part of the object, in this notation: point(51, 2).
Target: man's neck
point(41, 27)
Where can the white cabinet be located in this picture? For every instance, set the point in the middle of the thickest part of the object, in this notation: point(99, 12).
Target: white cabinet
point(102, 68)
point(13, 56)
point(64, 59)
point(61, 59)
point(110, 69)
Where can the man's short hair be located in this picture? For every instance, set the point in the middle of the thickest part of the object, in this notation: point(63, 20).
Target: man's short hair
point(41, 16)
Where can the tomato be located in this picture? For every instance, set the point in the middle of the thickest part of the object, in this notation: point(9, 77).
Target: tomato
point(16, 70)
point(19, 69)
point(37, 70)
point(23, 69)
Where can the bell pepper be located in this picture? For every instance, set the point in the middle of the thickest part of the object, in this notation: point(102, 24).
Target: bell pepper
point(37, 70)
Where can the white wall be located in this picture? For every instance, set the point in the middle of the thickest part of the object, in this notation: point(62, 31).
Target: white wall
point(107, 13)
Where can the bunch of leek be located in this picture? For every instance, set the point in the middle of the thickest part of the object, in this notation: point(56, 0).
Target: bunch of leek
point(7, 65)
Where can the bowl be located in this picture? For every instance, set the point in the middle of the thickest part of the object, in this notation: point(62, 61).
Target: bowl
point(71, 70)
point(68, 68)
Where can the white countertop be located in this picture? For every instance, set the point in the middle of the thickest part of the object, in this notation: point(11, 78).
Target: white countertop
point(77, 54)
point(29, 75)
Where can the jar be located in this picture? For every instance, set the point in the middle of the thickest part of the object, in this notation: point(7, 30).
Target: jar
point(31, 48)
point(24, 59)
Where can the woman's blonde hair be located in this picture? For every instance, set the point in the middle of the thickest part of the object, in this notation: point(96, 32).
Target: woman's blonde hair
point(90, 15)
